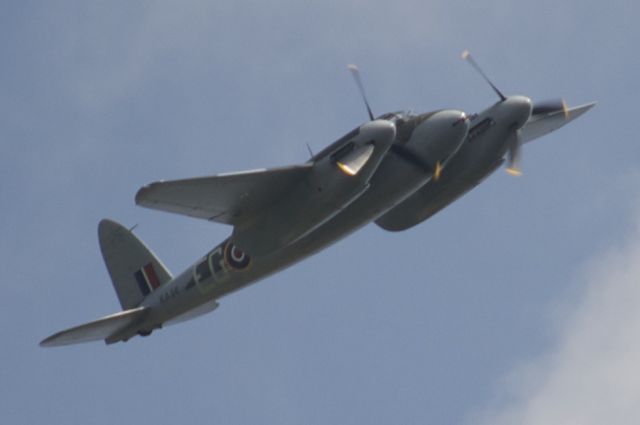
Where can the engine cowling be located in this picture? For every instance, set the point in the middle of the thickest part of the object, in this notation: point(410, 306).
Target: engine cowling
point(340, 175)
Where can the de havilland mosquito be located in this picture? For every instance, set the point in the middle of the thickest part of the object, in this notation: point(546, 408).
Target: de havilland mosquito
point(397, 170)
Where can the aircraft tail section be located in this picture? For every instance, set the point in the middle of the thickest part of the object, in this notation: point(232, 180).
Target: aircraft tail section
point(108, 328)
point(134, 269)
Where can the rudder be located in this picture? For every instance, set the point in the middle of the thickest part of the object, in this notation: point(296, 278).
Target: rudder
point(134, 269)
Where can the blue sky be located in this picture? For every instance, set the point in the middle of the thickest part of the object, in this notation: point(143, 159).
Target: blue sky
point(517, 304)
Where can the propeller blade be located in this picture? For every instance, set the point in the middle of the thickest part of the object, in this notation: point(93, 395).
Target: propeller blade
point(437, 172)
point(550, 106)
point(467, 56)
point(514, 154)
point(354, 161)
point(356, 76)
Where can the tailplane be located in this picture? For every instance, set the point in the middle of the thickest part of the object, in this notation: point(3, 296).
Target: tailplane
point(109, 328)
point(135, 271)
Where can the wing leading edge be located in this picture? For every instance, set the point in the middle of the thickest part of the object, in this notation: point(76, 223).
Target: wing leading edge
point(225, 198)
point(433, 197)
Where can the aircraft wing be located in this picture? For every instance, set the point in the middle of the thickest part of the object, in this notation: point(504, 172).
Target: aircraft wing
point(434, 196)
point(94, 331)
point(540, 125)
point(224, 198)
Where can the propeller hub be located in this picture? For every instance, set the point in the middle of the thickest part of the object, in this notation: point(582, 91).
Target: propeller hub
point(379, 130)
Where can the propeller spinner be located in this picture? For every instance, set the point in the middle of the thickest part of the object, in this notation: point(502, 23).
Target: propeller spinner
point(514, 144)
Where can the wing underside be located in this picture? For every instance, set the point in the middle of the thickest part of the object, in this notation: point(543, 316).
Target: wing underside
point(433, 197)
point(225, 198)
point(539, 126)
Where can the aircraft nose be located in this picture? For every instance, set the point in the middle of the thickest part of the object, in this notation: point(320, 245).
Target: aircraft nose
point(518, 110)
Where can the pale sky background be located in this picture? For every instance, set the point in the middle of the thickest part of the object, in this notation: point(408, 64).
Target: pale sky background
point(518, 304)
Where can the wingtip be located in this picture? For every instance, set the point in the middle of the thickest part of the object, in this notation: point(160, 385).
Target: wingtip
point(140, 194)
point(575, 111)
point(143, 193)
point(49, 341)
point(586, 106)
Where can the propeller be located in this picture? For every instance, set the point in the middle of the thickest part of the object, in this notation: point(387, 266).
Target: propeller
point(401, 150)
point(514, 144)
point(514, 153)
point(356, 76)
point(467, 56)
point(515, 139)
point(352, 162)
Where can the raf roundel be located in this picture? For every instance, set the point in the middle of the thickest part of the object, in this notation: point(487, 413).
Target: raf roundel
point(236, 258)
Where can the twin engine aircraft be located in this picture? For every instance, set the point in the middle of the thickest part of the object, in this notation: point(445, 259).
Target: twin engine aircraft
point(396, 170)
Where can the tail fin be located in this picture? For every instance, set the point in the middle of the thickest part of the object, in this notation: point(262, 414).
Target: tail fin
point(135, 271)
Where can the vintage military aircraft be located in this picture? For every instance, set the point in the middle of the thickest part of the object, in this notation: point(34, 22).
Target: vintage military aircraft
point(397, 169)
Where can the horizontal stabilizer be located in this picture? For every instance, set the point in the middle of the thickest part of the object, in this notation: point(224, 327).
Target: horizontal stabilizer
point(94, 331)
point(201, 310)
point(225, 198)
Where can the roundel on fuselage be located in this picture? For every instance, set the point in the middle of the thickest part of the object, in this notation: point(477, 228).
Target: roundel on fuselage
point(235, 258)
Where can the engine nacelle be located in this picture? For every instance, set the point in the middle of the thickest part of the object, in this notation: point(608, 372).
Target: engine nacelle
point(435, 136)
point(340, 175)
